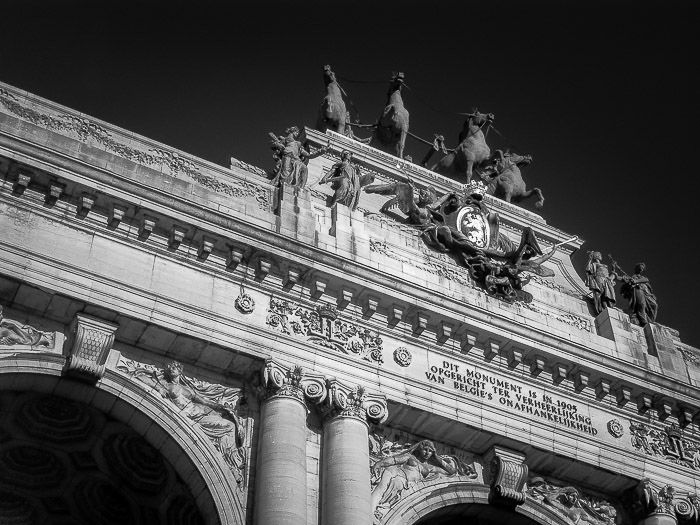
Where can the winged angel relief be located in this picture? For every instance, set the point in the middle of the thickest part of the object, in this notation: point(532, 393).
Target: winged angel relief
point(460, 224)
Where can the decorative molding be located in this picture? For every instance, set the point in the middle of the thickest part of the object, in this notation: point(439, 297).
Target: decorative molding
point(689, 356)
point(570, 319)
point(324, 328)
point(89, 344)
point(88, 131)
point(615, 428)
point(571, 503)
point(402, 356)
point(244, 303)
point(212, 407)
point(669, 444)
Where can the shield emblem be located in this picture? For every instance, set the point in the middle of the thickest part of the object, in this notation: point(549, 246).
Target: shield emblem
point(472, 223)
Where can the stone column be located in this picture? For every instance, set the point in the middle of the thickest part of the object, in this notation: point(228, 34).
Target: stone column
point(280, 488)
point(345, 494)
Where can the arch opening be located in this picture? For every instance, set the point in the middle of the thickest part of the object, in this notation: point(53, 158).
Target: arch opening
point(63, 461)
point(474, 514)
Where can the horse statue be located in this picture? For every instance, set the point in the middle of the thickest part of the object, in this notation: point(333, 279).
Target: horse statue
point(506, 182)
point(472, 149)
point(332, 114)
point(392, 127)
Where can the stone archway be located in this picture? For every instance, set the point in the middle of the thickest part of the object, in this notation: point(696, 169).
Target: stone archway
point(450, 502)
point(112, 453)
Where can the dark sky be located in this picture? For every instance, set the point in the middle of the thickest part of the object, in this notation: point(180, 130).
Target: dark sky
point(598, 92)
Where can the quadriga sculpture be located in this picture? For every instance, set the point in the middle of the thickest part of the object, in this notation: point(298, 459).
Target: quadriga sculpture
point(332, 114)
point(506, 182)
point(392, 127)
point(472, 149)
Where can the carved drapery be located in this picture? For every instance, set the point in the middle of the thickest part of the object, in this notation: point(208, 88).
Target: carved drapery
point(213, 408)
point(572, 503)
point(14, 333)
point(401, 462)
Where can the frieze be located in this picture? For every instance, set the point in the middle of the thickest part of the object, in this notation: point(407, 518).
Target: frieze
point(429, 265)
point(248, 167)
point(552, 285)
point(572, 503)
point(86, 130)
point(328, 331)
point(399, 462)
point(570, 319)
point(213, 408)
point(669, 444)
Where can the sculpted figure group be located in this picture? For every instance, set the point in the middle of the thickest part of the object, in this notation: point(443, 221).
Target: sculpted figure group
point(636, 288)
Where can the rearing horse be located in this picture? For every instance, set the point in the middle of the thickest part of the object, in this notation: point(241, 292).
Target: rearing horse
point(332, 114)
point(472, 149)
point(392, 127)
point(506, 180)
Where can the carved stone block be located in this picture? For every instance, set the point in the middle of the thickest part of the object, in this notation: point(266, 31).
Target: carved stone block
point(148, 222)
point(370, 305)
point(420, 323)
point(85, 203)
point(234, 257)
point(54, 193)
point(515, 358)
point(116, 214)
point(537, 366)
point(395, 314)
point(491, 349)
point(291, 277)
point(23, 180)
point(624, 396)
point(206, 247)
point(88, 346)
point(508, 476)
point(468, 341)
point(602, 389)
point(444, 332)
point(318, 287)
point(177, 234)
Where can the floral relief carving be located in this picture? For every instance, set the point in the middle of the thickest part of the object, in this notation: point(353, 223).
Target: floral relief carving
point(14, 333)
point(321, 328)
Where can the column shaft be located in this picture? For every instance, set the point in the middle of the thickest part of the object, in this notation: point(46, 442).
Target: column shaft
point(346, 478)
point(280, 488)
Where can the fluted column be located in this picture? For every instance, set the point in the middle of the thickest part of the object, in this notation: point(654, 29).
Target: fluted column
point(345, 494)
point(280, 488)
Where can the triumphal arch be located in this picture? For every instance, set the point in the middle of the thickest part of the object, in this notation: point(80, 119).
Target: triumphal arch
point(347, 338)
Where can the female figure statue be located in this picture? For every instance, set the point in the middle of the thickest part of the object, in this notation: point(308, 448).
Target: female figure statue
point(600, 282)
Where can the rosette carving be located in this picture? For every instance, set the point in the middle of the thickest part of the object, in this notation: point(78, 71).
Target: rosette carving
point(344, 400)
point(296, 383)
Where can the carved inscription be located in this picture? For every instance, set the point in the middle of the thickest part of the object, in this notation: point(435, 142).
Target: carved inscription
point(490, 388)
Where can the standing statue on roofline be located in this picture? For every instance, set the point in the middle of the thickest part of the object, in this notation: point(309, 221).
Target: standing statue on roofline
point(601, 282)
point(346, 181)
point(291, 157)
point(637, 290)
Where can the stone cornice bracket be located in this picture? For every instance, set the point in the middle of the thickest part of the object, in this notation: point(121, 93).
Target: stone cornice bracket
point(508, 477)
point(346, 401)
point(280, 380)
point(89, 343)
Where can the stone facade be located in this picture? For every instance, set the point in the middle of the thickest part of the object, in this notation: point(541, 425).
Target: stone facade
point(189, 343)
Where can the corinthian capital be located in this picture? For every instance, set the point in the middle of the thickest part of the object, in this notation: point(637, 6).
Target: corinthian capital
point(294, 382)
point(344, 400)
